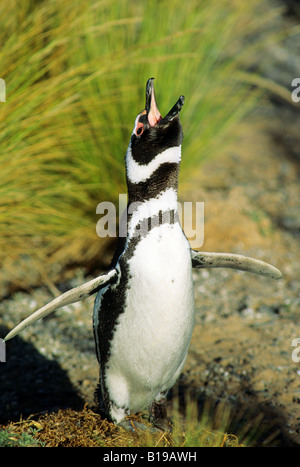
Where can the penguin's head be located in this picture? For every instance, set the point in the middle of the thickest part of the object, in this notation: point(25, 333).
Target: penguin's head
point(154, 140)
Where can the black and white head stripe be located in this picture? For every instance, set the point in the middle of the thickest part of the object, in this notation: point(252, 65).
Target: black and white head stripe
point(137, 172)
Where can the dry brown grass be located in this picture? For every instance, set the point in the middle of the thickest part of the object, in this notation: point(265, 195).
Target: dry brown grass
point(70, 428)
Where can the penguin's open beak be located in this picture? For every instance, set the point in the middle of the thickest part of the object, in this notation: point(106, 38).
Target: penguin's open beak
point(151, 108)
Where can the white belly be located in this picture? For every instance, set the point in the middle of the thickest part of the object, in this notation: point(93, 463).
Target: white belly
point(152, 336)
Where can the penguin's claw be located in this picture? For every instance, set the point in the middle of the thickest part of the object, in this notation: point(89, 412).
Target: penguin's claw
point(133, 426)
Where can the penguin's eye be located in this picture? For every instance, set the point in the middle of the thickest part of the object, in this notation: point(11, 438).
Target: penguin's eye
point(139, 129)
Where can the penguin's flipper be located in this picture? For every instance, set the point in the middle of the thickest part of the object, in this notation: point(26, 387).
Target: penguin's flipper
point(71, 296)
point(203, 260)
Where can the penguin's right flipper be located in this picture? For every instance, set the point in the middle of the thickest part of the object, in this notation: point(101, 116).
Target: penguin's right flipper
point(71, 296)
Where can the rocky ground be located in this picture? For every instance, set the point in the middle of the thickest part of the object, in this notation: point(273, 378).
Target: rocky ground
point(240, 365)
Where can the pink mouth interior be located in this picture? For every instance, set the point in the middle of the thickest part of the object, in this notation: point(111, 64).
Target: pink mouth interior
point(154, 114)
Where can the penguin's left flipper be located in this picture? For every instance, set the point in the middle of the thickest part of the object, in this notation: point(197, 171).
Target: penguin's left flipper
point(204, 260)
point(71, 296)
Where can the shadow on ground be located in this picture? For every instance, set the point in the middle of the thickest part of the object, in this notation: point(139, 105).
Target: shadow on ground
point(30, 383)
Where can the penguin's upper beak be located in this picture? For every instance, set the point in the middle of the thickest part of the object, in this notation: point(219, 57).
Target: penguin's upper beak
point(151, 108)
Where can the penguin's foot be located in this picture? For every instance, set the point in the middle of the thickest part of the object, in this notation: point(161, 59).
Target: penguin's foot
point(158, 416)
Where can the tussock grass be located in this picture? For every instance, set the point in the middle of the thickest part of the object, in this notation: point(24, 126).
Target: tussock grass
point(75, 75)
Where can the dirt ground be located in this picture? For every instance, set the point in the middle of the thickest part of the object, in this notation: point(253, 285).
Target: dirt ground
point(241, 352)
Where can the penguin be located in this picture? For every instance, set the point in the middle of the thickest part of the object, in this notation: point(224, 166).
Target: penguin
point(143, 322)
point(143, 314)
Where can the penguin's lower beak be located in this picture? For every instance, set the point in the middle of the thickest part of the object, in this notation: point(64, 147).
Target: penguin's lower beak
point(151, 108)
point(175, 110)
